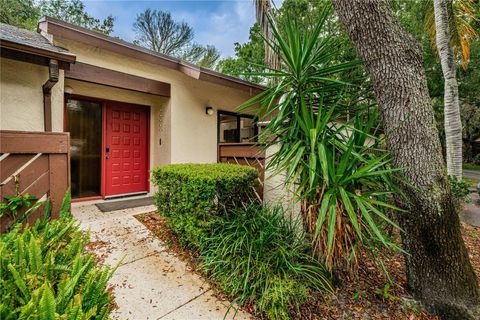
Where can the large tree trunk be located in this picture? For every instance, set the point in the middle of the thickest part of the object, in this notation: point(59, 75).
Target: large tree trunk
point(453, 123)
point(439, 272)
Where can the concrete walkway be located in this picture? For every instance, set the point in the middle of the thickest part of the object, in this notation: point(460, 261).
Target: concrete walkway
point(472, 174)
point(150, 282)
point(471, 211)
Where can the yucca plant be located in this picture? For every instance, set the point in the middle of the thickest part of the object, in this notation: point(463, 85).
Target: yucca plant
point(340, 176)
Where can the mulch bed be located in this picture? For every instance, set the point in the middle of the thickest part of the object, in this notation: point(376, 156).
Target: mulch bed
point(363, 298)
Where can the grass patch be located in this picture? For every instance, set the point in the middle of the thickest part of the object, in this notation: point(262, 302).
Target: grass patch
point(259, 256)
point(469, 166)
point(472, 182)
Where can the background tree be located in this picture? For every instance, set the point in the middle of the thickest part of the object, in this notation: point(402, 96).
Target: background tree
point(158, 31)
point(248, 60)
point(20, 13)
point(453, 123)
point(471, 130)
point(439, 272)
point(73, 11)
point(418, 18)
point(265, 21)
point(26, 13)
point(462, 20)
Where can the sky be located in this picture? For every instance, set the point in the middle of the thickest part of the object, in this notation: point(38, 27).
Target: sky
point(220, 22)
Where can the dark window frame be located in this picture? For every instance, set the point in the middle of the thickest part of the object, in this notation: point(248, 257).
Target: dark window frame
point(238, 116)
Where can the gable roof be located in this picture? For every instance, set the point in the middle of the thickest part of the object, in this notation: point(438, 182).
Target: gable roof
point(66, 30)
point(31, 42)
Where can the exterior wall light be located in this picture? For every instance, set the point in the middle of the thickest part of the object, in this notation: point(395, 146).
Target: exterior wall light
point(209, 110)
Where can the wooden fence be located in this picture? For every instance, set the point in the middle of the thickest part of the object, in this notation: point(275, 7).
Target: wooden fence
point(249, 154)
point(37, 163)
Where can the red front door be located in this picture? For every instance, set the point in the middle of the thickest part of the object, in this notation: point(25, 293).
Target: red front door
point(125, 149)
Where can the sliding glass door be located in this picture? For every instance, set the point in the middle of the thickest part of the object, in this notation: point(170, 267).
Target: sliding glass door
point(84, 122)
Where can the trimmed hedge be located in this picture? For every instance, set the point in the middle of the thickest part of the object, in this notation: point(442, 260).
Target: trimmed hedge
point(193, 196)
point(253, 252)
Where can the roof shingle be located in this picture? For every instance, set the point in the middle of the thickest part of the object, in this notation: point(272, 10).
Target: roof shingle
point(28, 38)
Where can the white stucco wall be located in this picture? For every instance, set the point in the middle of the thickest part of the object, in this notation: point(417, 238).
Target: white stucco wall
point(180, 130)
point(21, 97)
point(192, 134)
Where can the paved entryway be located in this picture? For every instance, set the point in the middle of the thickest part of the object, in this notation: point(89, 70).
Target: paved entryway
point(150, 282)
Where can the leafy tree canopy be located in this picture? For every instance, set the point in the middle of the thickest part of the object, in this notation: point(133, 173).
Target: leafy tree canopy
point(415, 16)
point(26, 13)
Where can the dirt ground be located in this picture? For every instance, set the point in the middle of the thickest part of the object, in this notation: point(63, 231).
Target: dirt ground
point(367, 297)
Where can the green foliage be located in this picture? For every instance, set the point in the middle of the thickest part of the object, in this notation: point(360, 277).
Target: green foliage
point(249, 58)
point(385, 292)
point(15, 203)
point(73, 11)
point(413, 15)
point(460, 189)
point(20, 13)
point(248, 62)
point(259, 256)
point(336, 167)
point(255, 253)
point(192, 196)
point(26, 14)
point(46, 273)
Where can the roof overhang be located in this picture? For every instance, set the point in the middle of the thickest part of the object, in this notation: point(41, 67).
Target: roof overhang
point(22, 52)
point(69, 31)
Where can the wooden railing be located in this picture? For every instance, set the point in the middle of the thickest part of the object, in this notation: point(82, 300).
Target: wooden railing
point(249, 154)
point(37, 163)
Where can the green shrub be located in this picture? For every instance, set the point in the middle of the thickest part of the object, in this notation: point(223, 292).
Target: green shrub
point(460, 189)
point(46, 274)
point(257, 255)
point(193, 196)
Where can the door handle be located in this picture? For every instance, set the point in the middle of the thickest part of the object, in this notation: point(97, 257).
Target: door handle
point(107, 149)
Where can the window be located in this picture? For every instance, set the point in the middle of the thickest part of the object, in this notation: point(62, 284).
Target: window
point(235, 128)
point(84, 122)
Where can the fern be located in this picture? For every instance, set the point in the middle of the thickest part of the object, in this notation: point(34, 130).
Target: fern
point(35, 255)
point(19, 281)
point(47, 304)
point(46, 273)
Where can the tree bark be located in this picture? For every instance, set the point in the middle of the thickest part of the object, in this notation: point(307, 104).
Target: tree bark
point(453, 123)
point(439, 272)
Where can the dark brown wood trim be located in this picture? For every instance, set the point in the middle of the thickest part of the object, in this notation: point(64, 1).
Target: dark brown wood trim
point(38, 164)
point(10, 164)
point(69, 31)
point(241, 151)
point(47, 111)
point(90, 73)
point(33, 142)
point(53, 75)
point(66, 30)
point(30, 58)
point(66, 57)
